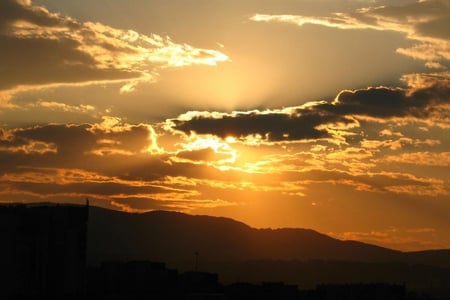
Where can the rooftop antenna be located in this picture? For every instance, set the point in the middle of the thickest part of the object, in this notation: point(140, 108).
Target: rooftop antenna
point(87, 208)
point(196, 261)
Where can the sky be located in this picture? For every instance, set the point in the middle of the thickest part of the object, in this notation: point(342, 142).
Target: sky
point(329, 115)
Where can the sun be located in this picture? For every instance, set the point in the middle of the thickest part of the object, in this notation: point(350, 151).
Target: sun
point(230, 139)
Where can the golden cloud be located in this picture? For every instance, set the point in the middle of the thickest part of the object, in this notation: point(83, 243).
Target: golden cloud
point(439, 159)
point(58, 50)
point(424, 22)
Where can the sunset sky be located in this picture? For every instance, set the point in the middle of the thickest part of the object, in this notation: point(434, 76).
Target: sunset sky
point(325, 114)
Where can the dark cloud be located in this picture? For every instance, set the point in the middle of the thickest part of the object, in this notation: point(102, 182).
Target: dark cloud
point(310, 122)
point(387, 102)
point(378, 102)
point(38, 61)
point(271, 126)
point(74, 141)
point(437, 28)
point(12, 11)
point(71, 141)
point(50, 52)
point(115, 152)
point(432, 16)
point(202, 155)
point(41, 48)
point(418, 9)
point(98, 188)
point(94, 160)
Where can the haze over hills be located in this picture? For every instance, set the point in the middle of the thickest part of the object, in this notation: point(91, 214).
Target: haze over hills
point(174, 238)
point(239, 253)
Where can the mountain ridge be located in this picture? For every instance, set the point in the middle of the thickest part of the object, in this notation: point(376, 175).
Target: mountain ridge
point(174, 237)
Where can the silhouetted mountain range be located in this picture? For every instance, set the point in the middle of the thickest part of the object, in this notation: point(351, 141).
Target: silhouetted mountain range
point(174, 238)
point(45, 250)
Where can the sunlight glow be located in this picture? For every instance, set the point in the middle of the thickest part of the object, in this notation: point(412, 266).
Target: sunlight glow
point(214, 143)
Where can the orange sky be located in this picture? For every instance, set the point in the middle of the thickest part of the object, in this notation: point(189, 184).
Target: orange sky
point(330, 115)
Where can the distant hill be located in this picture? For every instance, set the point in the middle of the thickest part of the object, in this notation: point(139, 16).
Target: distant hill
point(173, 238)
point(239, 253)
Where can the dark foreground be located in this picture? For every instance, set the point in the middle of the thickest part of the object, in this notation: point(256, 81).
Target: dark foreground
point(43, 256)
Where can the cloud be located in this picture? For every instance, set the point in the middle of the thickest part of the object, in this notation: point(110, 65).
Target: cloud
point(12, 11)
point(63, 107)
point(424, 22)
point(405, 239)
point(348, 142)
point(396, 144)
point(110, 161)
point(41, 49)
point(68, 141)
point(378, 102)
point(441, 159)
point(205, 156)
point(28, 147)
point(272, 125)
point(126, 207)
point(319, 120)
point(426, 80)
point(57, 184)
point(371, 181)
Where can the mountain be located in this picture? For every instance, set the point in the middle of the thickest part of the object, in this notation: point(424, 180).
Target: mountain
point(174, 238)
point(438, 258)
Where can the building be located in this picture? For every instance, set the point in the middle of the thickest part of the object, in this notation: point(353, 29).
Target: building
point(43, 251)
point(133, 279)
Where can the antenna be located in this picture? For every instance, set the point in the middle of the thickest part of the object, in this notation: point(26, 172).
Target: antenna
point(87, 208)
point(196, 260)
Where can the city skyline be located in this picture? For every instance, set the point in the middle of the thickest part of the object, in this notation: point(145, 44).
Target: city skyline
point(330, 115)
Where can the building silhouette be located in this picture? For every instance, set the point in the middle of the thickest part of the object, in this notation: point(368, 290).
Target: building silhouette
point(133, 279)
point(43, 252)
point(360, 291)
